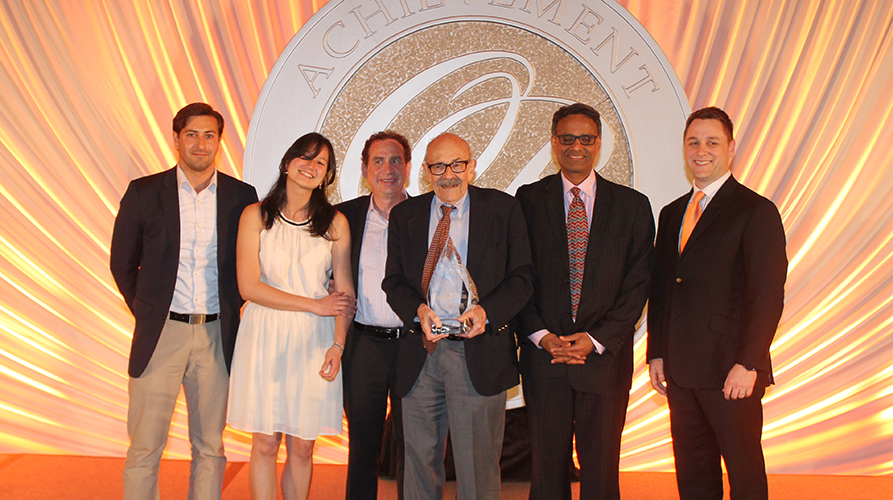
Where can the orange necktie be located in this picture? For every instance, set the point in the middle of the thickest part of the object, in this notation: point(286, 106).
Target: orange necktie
point(692, 214)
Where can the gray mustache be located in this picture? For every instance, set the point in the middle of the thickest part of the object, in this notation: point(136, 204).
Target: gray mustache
point(448, 183)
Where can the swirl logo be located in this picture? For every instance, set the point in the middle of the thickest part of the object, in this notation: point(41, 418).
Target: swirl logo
point(503, 102)
point(492, 73)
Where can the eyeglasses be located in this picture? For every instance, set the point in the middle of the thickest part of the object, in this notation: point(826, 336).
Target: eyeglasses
point(457, 166)
point(568, 139)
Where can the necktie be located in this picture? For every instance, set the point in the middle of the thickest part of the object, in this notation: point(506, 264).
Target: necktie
point(692, 214)
point(577, 239)
point(441, 235)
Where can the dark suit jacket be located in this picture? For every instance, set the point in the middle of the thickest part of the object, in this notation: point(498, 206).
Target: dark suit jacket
point(615, 281)
point(718, 303)
point(355, 211)
point(145, 254)
point(499, 263)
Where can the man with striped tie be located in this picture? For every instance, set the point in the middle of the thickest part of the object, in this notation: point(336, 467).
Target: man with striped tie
point(591, 241)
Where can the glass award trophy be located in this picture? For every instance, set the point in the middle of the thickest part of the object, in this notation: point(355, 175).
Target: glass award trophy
point(451, 292)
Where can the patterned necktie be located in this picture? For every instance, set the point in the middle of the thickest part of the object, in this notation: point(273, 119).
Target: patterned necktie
point(577, 240)
point(692, 214)
point(441, 235)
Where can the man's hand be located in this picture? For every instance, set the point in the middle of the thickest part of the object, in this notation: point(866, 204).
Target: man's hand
point(575, 348)
point(658, 380)
point(477, 318)
point(550, 342)
point(739, 383)
point(427, 318)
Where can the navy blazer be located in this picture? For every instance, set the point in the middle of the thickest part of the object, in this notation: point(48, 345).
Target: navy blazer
point(145, 255)
point(498, 260)
point(618, 264)
point(719, 302)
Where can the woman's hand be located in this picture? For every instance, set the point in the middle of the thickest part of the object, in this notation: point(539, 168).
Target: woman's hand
point(336, 304)
point(332, 363)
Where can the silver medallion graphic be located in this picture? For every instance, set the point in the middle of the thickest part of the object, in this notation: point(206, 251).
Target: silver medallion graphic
point(491, 72)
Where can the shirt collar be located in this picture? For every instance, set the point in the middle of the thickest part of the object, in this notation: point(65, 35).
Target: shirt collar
point(184, 183)
point(373, 208)
point(461, 205)
point(711, 189)
point(587, 186)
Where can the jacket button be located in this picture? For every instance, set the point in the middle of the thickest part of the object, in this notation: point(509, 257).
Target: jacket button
point(678, 280)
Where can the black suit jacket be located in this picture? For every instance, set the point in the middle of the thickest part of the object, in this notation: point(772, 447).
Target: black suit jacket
point(615, 281)
point(719, 302)
point(355, 211)
point(145, 255)
point(499, 263)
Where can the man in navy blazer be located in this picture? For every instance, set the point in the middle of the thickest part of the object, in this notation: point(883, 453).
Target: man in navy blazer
point(577, 370)
point(460, 385)
point(173, 257)
point(716, 298)
point(370, 354)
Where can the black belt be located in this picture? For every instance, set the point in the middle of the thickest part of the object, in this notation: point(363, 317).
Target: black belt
point(377, 331)
point(193, 319)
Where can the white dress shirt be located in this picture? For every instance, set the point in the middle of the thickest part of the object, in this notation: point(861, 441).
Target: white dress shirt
point(196, 291)
point(372, 303)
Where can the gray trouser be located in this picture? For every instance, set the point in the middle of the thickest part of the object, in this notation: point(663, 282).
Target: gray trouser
point(443, 399)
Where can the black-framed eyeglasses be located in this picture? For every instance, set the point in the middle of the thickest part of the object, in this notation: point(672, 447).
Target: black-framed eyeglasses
point(457, 166)
point(568, 139)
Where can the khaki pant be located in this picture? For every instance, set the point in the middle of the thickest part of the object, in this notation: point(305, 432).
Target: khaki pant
point(191, 356)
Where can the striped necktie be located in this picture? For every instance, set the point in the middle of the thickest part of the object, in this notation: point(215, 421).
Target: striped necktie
point(577, 240)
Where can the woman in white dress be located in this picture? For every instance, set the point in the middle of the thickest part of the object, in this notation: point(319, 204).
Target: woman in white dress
point(289, 247)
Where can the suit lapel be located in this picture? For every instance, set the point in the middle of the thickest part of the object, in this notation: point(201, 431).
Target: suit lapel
point(675, 215)
point(479, 223)
point(358, 229)
point(601, 217)
point(720, 200)
point(417, 227)
point(556, 221)
point(169, 200)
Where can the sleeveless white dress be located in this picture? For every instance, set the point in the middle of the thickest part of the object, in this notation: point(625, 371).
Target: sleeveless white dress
point(275, 384)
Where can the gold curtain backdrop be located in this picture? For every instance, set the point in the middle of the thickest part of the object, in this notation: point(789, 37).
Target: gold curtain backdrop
point(88, 90)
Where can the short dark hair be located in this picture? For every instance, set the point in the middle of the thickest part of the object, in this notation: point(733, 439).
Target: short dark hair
point(383, 136)
point(196, 109)
point(577, 108)
point(711, 113)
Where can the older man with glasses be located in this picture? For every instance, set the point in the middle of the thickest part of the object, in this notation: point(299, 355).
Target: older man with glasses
point(458, 271)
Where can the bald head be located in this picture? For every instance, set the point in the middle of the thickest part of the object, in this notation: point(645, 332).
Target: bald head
point(449, 151)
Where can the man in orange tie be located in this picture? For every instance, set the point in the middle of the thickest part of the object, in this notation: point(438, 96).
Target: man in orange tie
point(717, 294)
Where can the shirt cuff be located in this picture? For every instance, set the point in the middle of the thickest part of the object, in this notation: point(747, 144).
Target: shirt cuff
point(598, 347)
point(536, 336)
